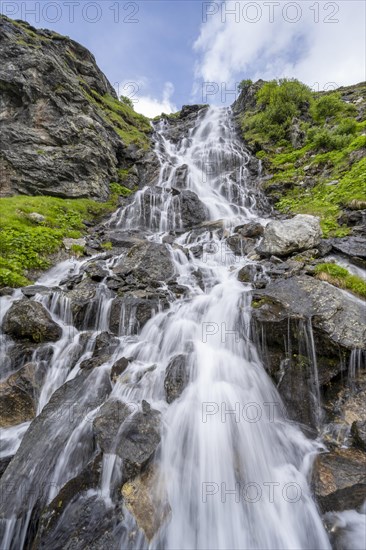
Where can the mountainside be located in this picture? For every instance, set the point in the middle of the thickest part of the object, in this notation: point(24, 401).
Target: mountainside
point(194, 335)
point(64, 131)
point(313, 149)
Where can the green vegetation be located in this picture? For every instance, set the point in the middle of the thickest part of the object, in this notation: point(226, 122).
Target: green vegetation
point(341, 278)
point(130, 126)
point(278, 102)
point(26, 244)
point(127, 101)
point(313, 145)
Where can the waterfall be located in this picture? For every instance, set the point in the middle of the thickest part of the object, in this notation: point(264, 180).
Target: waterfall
point(234, 470)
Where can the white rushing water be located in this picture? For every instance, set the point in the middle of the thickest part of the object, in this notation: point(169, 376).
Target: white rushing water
point(234, 470)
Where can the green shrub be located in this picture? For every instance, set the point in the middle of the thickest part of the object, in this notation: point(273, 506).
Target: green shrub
point(127, 101)
point(279, 101)
point(327, 140)
point(328, 106)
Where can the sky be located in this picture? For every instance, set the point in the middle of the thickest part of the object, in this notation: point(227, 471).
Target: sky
point(164, 54)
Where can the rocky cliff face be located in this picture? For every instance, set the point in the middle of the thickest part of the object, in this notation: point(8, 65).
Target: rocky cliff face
point(64, 132)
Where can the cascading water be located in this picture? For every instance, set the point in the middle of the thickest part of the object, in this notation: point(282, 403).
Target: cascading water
point(232, 468)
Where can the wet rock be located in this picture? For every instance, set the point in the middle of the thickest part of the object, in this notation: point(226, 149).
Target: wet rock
point(124, 239)
point(108, 422)
point(78, 519)
point(105, 343)
point(358, 431)
point(240, 245)
point(17, 397)
point(131, 313)
point(284, 334)
point(96, 271)
point(191, 208)
point(176, 377)
point(6, 291)
point(4, 462)
point(68, 406)
point(147, 501)
point(31, 291)
point(146, 262)
point(133, 437)
point(119, 368)
point(252, 229)
point(248, 273)
point(340, 479)
point(351, 246)
point(337, 314)
point(84, 304)
point(282, 238)
point(29, 320)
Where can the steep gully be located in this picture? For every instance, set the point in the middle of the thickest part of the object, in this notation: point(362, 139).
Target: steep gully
point(220, 466)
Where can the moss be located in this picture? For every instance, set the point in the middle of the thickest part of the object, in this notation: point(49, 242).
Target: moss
point(341, 278)
point(129, 125)
point(326, 201)
point(107, 245)
point(26, 246)
point(120, 190)
point(78, 250)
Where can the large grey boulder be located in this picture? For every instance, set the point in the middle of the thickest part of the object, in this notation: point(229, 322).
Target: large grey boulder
point(282, 238)
point(29, 320)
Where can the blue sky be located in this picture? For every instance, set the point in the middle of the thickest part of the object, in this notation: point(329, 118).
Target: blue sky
point(167, 53)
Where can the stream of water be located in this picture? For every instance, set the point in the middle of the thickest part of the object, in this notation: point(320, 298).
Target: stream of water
point(234, 471)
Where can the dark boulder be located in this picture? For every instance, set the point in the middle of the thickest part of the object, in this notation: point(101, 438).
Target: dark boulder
point(134, 437)
point(145, 263)
point(191, 209)
point(252, 229)
point(68, 406)
point(130, 313)
point(119, 368)
point(176, 377)
point(29, 320)
point(18, 396)
point(354, 247)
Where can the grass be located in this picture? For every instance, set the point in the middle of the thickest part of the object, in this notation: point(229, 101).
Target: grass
point(131, 127)
point(26, 245)
point(326, 172)
point(341, 278)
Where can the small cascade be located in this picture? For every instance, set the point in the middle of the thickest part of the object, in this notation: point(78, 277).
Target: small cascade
point(231, 471)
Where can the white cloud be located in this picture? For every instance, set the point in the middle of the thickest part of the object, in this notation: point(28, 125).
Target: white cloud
point(146, 104)
point(151, 107)
point(231, 48)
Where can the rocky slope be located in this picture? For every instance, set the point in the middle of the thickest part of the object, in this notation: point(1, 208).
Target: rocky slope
point(64, 132)
point(307, 315)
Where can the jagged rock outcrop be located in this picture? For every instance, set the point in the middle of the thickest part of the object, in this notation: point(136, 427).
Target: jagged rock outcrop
point(57, 134)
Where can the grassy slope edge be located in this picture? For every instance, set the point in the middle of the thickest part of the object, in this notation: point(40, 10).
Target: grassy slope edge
point(313, 148)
